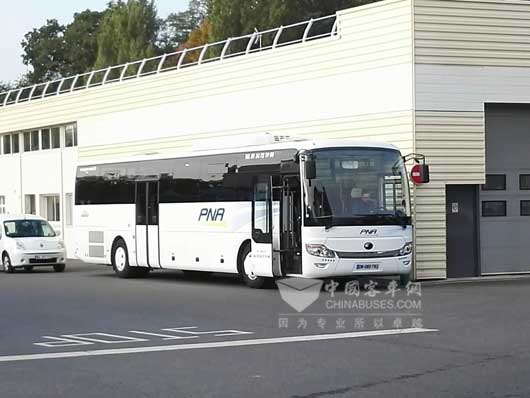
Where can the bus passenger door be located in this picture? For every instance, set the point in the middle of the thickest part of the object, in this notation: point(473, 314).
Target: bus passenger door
point(262, 228)
point(147, 234)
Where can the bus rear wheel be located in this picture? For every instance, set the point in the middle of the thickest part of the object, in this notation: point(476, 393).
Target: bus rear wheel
point(251, 280)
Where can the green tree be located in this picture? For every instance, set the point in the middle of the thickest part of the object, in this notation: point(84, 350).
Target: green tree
point(177, 27)
point(80, 42)
point(128, 32)
point(5, 86)
point(54, 50)
point(44, 51)
point(231, 18)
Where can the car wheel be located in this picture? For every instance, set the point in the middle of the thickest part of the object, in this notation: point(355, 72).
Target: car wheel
point(59, 267)
point(6, 262)
point(28, 268)
point(251, 280)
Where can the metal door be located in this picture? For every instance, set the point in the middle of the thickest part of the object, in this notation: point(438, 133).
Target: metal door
point(262, 255)
point(147, 232)
point(461, 219)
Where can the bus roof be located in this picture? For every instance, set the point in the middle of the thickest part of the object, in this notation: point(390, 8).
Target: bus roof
point(296, 144)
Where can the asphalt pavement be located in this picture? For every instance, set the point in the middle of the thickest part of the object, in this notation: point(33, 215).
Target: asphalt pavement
point(86, 333)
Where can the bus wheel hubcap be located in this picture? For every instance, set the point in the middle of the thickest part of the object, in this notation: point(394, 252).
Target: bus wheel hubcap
point(249, 272)
point(119, 258)
point(6, 264)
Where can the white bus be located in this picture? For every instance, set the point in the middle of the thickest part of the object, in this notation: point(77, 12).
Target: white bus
point(315, 209)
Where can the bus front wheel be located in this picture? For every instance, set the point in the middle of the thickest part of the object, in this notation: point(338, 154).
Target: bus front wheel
point(120, 260)
point(251, 280)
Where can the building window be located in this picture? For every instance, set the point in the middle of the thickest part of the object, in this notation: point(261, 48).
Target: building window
point(70, 136)
point(2, 205)
point(27, 141)
point(495, 182)
point(525, 208)
point(68, 208)
point(56, 137)
point(31, 141)
point(46, 139)
point(7, 144)
point(51, 207)
point(494, 208)
point(29, 204)
point(35, 145)
point(524, 182)
point(15, 141)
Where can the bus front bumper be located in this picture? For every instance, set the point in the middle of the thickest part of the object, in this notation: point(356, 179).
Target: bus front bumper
point(317, 267)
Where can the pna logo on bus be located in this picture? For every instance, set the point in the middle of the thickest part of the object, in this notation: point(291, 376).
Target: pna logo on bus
point(212, 215)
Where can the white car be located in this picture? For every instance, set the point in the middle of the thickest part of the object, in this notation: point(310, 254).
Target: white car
point(28, 241)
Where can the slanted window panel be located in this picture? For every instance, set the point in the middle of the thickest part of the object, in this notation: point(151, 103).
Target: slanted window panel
point(46, 141)
point(7, 144)
point(494, 208)
point(525, 208)
point(524, 182)
point(35, 140)
point(495, 182)
point(56, 137)
point(15, 138)
point(27, 141)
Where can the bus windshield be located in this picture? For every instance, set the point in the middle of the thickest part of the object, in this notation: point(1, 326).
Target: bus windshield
point(357, 186)
point(28, 229)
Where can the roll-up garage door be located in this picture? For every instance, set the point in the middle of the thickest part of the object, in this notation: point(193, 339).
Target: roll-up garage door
point(505, 198)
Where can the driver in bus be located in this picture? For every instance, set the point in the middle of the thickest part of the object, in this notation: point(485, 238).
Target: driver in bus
point(361, 202)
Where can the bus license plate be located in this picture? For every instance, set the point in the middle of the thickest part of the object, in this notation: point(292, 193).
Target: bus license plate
point(367, 267)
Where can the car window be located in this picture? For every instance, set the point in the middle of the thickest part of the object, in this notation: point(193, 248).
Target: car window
point(28, 229)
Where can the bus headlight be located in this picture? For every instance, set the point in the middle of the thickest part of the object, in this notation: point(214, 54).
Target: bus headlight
point(20, 245)
point(60, 244)
point(320, 251)
point(406, 250)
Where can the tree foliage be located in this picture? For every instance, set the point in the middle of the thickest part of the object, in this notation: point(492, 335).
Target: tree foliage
point(54, 50)
point(231, 18)
point(128, 32)
point(5, 86)
point(80, 42)
point(177, 27)
point(44, 51)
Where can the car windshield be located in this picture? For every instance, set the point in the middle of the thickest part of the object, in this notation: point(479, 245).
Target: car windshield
point(357, 186)
point(28, 229)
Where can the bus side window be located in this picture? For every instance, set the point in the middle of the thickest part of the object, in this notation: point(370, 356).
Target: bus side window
point(262, 208)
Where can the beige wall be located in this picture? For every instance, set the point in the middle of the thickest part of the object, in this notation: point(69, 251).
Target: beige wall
point(466, 53)
point(472, 32)
point(453, 143)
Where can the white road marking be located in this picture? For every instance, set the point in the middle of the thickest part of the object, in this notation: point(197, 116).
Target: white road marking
point(219, 344)
point(219, 333)
point(61, 342)
point(163, 336)
point(111, 338)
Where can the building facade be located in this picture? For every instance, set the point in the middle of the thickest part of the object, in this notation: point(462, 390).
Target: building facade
point(446, 78)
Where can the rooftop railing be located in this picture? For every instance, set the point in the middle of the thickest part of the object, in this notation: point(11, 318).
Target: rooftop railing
point(233, 47)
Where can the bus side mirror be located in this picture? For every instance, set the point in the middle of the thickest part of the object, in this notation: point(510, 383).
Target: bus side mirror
point(310, 169)
point(420, 174)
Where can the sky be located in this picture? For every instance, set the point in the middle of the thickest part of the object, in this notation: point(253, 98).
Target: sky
point(21, 16)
